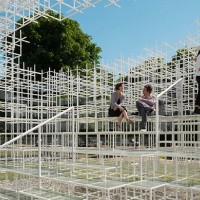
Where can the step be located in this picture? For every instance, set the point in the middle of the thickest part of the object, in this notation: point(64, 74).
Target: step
point(6, 194)
point(70, 180)
point(187, 123)
point(146, 184)
point(108, 185)
point(25, 171)
point(88, 166)
point(48, 195)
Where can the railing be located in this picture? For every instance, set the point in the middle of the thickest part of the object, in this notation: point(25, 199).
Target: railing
point(157, 107)
point(39, 137)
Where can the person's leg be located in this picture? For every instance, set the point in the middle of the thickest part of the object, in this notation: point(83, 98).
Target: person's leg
point(197, 102)
point(140, 104)
point(121, 116)
point(143, 109)
point(119, 121)
point(144, 118)
point(125, 115)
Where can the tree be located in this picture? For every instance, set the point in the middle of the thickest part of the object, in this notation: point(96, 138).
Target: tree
point(55, 44)
point(182, 56)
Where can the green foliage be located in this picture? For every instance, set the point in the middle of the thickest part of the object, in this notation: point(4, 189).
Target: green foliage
point(182, 55)
point(10, 176)
point(55, 44)
point(2, 127)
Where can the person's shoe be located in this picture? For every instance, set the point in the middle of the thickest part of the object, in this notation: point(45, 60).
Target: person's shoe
point(151, 110)
point(143, 129)
point(135, 113)
point(196, 112)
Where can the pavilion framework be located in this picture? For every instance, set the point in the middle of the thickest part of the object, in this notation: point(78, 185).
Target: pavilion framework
point(57, 141)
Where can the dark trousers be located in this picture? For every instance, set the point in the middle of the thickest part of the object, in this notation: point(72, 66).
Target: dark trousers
point(197, 101)
point(143, 109)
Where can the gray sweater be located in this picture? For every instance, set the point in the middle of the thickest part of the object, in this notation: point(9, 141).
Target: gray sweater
point(114, 99)
point(150, 100)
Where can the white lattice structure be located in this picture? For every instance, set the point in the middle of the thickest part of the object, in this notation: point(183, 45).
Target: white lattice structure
point(58, 141)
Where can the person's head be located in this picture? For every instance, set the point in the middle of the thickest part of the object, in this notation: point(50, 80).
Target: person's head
point(147, 89)
point(119, 86)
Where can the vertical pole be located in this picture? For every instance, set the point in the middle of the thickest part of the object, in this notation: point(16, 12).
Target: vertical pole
point(95, 105)
point(77, 105)
point(39, 157)
point(157, 122)
point(73, 136)
point(150, 194)
point(141, 168)
point(181, 106)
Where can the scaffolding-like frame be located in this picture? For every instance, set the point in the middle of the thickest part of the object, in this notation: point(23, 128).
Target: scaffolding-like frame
point(80, 154)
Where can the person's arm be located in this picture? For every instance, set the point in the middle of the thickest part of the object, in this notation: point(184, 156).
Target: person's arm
point(122, 99)
point(117, 105)
point(151, 102)
point(113, 101)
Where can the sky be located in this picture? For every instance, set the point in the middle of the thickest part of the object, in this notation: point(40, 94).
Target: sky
point(138, 24)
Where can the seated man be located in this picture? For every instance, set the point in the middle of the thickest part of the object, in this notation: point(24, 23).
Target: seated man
point(145, 105)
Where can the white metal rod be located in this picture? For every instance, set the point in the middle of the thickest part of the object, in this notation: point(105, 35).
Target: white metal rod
point(157, 108)
point(159, 95)
point(36, 127)
point(39, 157)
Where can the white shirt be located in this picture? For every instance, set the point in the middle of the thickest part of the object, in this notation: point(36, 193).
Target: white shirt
point(198, 65)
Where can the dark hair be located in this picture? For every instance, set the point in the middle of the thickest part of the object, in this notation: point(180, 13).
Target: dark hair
point(149, 88)
point(118, 85)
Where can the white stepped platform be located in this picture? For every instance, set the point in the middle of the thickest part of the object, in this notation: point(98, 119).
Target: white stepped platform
point(147, 184)
point(108, 185)
point(24, 171)
point(88, 166)
point(48, 195)
point(11, 195)
point(70, 180)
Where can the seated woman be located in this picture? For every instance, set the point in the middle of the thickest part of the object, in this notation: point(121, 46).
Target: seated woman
point(116, 105)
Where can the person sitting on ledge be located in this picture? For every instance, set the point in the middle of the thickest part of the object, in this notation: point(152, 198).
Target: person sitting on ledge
point(145, 105)
point(197, 101)
point(117, 108)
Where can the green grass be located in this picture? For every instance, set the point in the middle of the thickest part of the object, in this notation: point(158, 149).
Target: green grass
point(10, 176)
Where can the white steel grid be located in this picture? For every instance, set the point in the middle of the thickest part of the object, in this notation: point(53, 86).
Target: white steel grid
point(98, 162)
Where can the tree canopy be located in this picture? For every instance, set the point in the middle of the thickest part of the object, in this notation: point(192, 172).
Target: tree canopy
point(55, 44)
